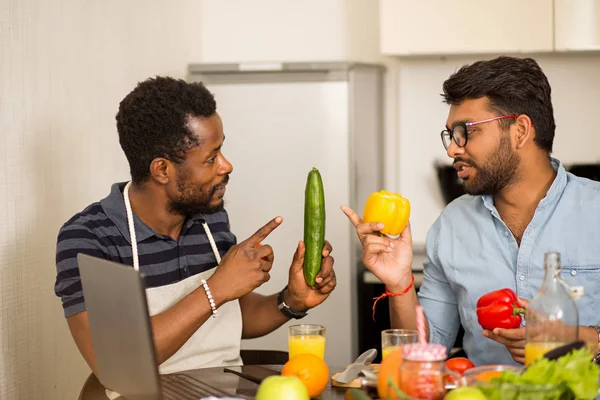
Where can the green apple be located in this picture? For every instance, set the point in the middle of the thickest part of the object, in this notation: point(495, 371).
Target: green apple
point(465, 393)
point(282, 387)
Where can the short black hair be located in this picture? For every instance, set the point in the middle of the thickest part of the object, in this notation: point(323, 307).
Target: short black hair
point(513, 86)
point(152, 121)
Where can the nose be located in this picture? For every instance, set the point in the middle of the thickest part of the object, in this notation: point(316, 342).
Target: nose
point(454, 150)
point(226, 167)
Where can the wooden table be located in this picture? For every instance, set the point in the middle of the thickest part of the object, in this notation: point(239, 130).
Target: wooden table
point(216, 377)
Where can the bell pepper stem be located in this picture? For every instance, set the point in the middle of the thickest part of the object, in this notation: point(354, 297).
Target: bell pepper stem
point(519, 310)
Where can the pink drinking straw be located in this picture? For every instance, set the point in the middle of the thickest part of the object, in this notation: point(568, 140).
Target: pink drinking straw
point(421, 325)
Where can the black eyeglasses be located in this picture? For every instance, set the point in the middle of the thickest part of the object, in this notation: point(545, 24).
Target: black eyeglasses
point(460, 133)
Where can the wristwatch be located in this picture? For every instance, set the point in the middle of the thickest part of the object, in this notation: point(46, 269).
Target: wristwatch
point(597, 356)
point(286, 310)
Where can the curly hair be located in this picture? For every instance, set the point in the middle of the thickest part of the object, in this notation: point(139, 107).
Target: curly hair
point(152, 121)
point(513, 86)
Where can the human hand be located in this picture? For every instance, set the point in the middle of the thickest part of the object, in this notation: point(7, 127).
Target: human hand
point(301, 297)
point(245, 266)
point(389, 259)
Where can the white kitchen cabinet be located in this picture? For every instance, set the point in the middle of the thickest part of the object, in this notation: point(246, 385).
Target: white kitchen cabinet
point(577, 25)
point(260, 31)
point(433, 27)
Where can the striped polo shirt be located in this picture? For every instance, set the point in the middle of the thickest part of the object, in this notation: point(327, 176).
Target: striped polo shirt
point(101, 230)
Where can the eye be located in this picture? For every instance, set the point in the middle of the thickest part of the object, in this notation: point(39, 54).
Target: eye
point(211, 160)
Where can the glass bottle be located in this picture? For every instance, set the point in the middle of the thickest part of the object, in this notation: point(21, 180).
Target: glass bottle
point(551, 319)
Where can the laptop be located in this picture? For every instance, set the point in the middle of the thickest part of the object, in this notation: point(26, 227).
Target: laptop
point(115, 300)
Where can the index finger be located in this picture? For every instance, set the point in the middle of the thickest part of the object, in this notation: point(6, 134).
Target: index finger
point(263, 232)
point(512, 334)
point(352, 216)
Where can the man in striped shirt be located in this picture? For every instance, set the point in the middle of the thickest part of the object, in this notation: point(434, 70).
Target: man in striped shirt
point(172, 137)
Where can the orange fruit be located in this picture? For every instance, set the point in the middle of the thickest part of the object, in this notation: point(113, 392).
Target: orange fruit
point(311, 370)
point(389, 368)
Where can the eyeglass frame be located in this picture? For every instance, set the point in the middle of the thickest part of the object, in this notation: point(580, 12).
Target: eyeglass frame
point(450, 132)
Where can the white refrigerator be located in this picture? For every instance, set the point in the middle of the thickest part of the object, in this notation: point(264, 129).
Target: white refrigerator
point(280, 121)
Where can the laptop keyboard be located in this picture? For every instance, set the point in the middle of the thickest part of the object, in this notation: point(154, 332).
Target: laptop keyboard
point(184, 387)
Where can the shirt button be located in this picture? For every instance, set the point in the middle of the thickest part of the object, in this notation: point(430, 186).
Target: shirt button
point(573, 272)
point(185, 269)
point(506, 233)
point(522, 277)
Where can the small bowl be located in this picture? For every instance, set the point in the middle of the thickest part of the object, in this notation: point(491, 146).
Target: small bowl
point(481, 377)
point(485, 373)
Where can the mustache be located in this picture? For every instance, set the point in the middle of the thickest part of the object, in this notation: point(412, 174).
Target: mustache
point(469, 163)
point(221, 184)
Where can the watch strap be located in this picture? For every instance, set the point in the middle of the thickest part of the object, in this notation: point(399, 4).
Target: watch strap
point(287, 310)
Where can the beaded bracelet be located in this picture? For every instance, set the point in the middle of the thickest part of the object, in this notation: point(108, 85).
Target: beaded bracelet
point(210, 298)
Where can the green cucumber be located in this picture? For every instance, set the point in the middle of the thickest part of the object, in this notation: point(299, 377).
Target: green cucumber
point(314, 225)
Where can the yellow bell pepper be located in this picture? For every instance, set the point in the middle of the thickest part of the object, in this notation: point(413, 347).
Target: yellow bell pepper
point(389, 208)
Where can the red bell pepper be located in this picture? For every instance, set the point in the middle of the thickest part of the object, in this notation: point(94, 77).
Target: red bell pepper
point(499, 309)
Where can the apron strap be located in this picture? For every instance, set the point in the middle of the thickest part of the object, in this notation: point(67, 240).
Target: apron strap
point(134, 248)
point(213, 245)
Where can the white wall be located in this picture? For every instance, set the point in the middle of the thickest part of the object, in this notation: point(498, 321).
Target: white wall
point(421, 115)
point(64, 67)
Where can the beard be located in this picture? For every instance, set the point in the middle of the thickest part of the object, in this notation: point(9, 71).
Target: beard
point(498, 172)
point(194, 199)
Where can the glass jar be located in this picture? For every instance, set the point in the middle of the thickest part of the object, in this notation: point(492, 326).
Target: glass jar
point(422, 371)
point(551, 319)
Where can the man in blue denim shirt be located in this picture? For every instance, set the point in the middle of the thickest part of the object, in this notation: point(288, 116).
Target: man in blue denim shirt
point(521, 203)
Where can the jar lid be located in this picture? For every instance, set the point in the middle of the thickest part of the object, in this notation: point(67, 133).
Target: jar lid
point(426, 352)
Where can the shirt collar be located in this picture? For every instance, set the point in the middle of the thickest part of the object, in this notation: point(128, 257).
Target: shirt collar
point(553, 194)
point(114, 207)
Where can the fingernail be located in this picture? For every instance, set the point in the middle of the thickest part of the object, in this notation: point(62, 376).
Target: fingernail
point(380, 226)
point(319, 280)
point(278, 220)
point(391, 244)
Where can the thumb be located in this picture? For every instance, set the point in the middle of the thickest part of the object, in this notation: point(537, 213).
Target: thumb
point(524, 303)
point(406, 234)
point(298, 260)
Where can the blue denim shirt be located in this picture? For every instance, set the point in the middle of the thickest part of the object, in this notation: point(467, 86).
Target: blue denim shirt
point(470, 252)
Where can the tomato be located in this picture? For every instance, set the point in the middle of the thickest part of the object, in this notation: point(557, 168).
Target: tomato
point(459, 364)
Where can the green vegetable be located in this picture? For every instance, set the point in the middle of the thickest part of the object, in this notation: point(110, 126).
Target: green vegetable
point(314, 225)
point(573, 376)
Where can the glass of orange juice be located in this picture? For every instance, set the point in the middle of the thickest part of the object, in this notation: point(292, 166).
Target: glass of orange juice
point(307, 339)
point(394, 339)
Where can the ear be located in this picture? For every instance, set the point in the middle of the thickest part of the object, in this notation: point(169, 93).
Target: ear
point(525, 132)
point(161, 169)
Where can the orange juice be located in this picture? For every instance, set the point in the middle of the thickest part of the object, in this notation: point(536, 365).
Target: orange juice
point(535, 350)
point(313, 344)
point(385, 350)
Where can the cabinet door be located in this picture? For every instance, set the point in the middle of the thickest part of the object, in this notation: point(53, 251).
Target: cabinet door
point(429, 27)
point(577, 25)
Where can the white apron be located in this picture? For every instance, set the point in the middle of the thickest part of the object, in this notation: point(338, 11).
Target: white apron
point(217, 342)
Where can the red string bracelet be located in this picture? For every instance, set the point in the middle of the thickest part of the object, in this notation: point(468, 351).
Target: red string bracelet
point(390, 294)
